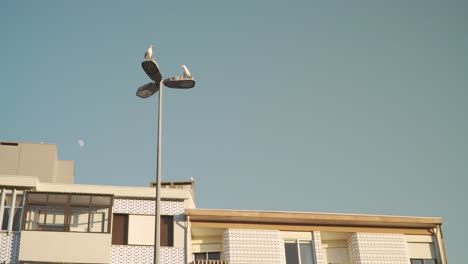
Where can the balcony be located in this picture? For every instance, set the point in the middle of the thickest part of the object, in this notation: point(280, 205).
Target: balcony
point(205, 261)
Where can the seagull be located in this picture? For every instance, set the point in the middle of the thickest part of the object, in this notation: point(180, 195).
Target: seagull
point(149, 53)
point(186, 72)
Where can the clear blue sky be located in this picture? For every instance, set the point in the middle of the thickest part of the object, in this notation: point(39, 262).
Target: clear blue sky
point(330, 106)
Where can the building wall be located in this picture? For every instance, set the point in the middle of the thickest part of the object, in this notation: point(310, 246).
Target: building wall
point(9, 247)
point(141, 231)
point(70, 247)
point(376, 248)
point(146, 206)
point(144, 255)
point(244, 246)
point(319, 252)
point(38, 160)
point(64, 171)
point(142, 213)
point(9, 159)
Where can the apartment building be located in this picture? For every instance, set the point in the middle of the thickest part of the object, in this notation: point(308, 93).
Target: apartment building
point(46, 218)
point(236, 236)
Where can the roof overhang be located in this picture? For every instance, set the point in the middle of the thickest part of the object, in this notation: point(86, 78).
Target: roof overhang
point(311, 219)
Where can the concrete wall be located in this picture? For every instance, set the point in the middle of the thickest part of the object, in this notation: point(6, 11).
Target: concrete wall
point(38, 160)
point(9, 159)
point(65, 247)
point(378, 248)
point(64, 171)
point(244, 246)
point(9, 247)
point(141, 219)
point(144, 254)
point(318, 249)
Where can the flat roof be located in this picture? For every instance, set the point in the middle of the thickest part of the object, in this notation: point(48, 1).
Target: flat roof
point(310, 218)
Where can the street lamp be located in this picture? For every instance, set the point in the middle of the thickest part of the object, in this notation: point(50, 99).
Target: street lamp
point(180, 82)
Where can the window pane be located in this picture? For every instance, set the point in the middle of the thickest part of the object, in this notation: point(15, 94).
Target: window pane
point(306, 253)
point(199, 256)
point(37, 198)
point(6, 216)
point(429, 261)
point(214, 255)
point(290, 249)
point(103, 201)
point(416, 261)
point(19, 200)
point(79, 219)
point(80, 200)
point(55, 219)
point(58, 198)
point(98, 220)
point(8, 197)
point(35, 217)
point(17, 220)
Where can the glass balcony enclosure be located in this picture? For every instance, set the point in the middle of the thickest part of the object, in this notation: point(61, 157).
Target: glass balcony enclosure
point(67, 212)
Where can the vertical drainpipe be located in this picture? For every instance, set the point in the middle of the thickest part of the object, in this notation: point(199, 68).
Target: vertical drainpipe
point(440, 244)
point(187, 233)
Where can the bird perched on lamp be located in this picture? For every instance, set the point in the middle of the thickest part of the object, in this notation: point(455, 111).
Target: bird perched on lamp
point(149, 53)
point(187, 73)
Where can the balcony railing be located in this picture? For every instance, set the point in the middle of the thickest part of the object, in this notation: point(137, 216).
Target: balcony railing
point(210, 262)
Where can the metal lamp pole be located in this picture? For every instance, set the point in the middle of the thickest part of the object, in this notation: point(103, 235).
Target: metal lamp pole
point(157, 236)
point(179, 82)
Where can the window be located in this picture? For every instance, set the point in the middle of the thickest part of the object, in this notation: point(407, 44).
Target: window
point(299, 252)
point(167, 231)
point(423, 261)
point(11, 209)
point(67, 212)
point(120, 229)
point(207, 256)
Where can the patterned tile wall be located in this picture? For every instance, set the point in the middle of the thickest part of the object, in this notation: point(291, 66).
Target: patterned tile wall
point(374, 248)
point(318, 249)
point(9, 247)
point(245, 246)
point(146, 207)
point(144, 255)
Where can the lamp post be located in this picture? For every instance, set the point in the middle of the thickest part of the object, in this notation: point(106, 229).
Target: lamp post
point(179, 82)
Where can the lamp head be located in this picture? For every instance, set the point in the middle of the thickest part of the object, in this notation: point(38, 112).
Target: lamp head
point(147, 90)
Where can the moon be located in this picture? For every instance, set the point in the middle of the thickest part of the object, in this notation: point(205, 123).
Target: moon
point(81, 143)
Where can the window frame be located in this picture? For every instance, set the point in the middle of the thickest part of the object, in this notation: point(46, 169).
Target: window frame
point(125, 221)
point(424, 260)
point(12, 207)
point(206, 254)
point(67, 210)
point(298, 243)
point(170, 230)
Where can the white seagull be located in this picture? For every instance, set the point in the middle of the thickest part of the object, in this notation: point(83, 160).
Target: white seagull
point(186, 72)
point(149, 53)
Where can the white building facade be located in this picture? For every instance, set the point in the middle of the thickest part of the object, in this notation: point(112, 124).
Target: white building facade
point(247, 237)
point(46, 218)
